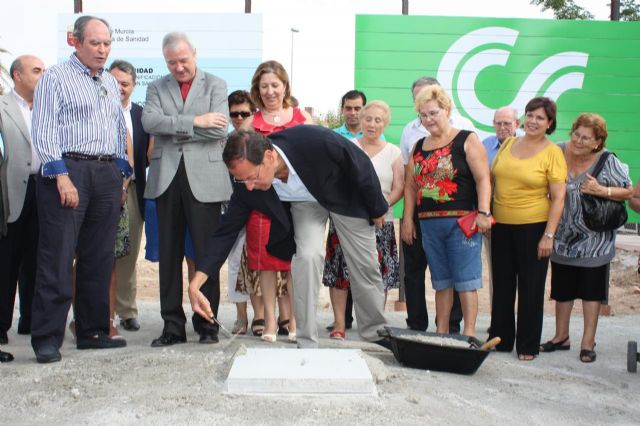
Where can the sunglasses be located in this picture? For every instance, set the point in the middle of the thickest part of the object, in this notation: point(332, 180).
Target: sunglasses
point(243, 114)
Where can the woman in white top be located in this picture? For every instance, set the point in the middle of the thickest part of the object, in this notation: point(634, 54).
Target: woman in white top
point(387, 161)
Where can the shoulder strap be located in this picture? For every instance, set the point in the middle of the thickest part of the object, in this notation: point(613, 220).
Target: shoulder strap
point(600, 164)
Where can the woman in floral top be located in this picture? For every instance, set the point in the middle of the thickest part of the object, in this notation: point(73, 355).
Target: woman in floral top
point(448, 177)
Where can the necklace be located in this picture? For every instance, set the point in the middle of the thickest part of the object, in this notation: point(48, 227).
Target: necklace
point(275, 116)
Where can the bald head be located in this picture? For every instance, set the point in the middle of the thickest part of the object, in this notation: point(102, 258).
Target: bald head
point(505, 122)
point(25, 72)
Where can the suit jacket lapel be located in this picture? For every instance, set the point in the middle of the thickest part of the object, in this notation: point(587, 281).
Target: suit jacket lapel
point(174, 90)
point(14, 112)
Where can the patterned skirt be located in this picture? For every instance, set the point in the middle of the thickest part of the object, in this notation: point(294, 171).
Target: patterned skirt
point(123, 244)
point(248, 281)
point(336, 272)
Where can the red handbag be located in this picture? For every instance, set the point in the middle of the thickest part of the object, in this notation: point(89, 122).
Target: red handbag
point(466, 223)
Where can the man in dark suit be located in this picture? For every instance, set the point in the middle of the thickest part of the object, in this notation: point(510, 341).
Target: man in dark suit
point(126, 307)
point(321, 174)
point(186, 112)
point(20, 165)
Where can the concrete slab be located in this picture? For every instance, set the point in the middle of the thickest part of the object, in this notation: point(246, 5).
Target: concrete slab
point(300, 371)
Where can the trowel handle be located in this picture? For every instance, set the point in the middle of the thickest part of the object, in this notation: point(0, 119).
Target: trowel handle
point(490, 344)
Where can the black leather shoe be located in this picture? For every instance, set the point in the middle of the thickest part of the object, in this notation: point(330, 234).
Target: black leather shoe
point(167, 339)
point(4, 339)
point(99, 341)
point(385, 343)
point(5, 357)
point(47, 354)
point(24, 326)
point(130, 324)
point(208, 335)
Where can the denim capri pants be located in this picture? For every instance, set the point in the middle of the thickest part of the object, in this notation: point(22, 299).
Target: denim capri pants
point(454, 260)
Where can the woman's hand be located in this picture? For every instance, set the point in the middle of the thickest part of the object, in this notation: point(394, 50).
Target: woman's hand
point(483, 223)
point(545, 246)
point(199, 303)
point(591, 186)
point(408, 231)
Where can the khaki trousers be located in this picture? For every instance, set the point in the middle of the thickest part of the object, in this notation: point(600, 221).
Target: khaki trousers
point(358, 242)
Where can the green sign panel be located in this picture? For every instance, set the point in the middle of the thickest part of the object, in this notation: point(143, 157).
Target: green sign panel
point(486, 63)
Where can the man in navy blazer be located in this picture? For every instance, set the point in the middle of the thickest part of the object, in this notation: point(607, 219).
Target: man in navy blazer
point(320, 174)
point(126, 306)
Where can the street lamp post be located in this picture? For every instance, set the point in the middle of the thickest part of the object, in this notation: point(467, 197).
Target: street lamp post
point(293, 31)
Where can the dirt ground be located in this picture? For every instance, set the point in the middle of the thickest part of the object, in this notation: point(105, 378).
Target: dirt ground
point(184, 384)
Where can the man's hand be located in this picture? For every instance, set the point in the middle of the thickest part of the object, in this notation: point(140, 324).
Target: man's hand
point(68, 192)
point(210, 120)
point(378, 222)
point(199, 303)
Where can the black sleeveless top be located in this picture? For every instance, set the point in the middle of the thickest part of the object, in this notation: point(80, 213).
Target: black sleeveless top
point(446, 187)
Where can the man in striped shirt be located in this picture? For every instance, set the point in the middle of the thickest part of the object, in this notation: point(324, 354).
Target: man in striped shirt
point(79, 131)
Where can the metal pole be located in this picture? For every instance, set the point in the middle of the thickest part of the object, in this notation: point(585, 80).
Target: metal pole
point(247, 6)
point(615, 10)
point(293, 31)
point(405, 7)
point(77, 6)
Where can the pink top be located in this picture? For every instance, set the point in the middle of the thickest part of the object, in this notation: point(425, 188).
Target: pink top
point(267, 129)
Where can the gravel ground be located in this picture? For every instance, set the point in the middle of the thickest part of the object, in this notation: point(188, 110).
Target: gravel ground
point(184, 384)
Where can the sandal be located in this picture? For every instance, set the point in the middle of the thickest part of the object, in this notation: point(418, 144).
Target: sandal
point(588, 356)
point(271, 338)
point(526, 357)
point(337, 335)
point(257, 327)
point(283, 327)
point(552, 346)
point(240, 327)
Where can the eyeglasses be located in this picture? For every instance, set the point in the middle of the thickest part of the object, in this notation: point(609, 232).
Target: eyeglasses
point(431, 114)
point(250, 180)
point(243, 114)
point(503, 123)
point(582, 138)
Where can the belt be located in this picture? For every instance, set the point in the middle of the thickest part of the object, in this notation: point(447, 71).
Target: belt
point(79, 156)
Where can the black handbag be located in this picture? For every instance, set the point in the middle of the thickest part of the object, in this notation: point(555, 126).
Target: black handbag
point(601, 214)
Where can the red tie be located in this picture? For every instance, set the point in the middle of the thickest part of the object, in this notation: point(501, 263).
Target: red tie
point(184, 90)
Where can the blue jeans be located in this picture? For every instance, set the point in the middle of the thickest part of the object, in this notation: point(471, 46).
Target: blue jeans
point(454, 260)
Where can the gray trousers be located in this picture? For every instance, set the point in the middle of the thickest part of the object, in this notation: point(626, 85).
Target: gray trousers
point(358, 242)
point(126, 306)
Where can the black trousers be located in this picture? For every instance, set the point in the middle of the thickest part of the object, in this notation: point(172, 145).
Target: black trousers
point(18, 253)
point(514, 255)
point(177, 207)
point(415, 265)
point(88, 231)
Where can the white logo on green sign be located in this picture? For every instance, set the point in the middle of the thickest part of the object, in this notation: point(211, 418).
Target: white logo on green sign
point(466, 59)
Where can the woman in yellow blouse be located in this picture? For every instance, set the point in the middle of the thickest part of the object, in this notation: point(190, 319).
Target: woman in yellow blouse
point(529, 175)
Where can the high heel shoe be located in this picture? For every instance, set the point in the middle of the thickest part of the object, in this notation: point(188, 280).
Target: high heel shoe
point(271, 338)
point(292, 337)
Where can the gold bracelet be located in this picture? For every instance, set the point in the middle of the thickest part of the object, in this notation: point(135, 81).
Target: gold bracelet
point(608, 191)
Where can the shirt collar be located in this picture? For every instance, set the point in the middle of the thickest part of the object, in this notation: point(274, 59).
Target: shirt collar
point(128, 107)
point(20, 100)
point(82, 68)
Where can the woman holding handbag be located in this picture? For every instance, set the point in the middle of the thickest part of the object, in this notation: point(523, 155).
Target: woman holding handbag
point(581, 256)
point(448, 177)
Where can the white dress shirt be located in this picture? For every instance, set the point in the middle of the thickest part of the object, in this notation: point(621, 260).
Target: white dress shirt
point(294, 189)
point(26, 114)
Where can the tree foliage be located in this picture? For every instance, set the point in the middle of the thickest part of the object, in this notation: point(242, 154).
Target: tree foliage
point(4, 72)
point(564, 9)
point(567, 9)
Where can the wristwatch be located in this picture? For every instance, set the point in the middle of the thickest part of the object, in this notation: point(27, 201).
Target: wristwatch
point(487, 213)
point(549, 235)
